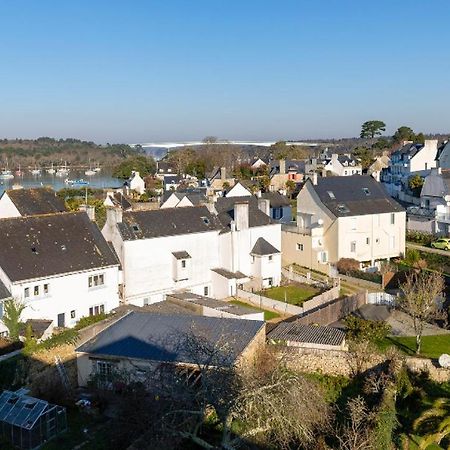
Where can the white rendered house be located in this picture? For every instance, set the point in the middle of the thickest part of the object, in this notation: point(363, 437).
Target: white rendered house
point(59, 266)
point(343, 165)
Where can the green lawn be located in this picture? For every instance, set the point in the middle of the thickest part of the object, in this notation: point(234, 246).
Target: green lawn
point(268, 315)
point(295, 294)
point(432, 346)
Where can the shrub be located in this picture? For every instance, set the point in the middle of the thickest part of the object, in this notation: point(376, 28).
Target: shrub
point(346, 265)
point(90, 320)
point(419, 237)
point(366, 330)
point(368, 276)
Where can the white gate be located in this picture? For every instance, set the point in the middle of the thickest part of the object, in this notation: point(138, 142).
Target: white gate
point(381, 298)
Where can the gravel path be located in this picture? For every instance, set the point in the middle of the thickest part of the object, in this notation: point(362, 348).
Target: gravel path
point(402, 325)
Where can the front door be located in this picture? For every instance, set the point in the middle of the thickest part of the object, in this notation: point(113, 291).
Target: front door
point(61, 320)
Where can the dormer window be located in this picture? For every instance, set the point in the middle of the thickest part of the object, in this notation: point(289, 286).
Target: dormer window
point(366, 191)
point(342, 208)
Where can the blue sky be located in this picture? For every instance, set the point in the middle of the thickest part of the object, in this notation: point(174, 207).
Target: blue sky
point(142, 71)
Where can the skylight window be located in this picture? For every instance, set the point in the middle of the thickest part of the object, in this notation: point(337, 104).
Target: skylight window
point(342, 208)
point(366, 191)
point(331, 194)
point(136, 227)
point(205, 220)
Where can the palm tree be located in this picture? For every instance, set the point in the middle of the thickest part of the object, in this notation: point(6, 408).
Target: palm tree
point(437, 420)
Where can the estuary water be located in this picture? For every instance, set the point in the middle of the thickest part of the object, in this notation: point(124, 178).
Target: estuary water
point(101, 180)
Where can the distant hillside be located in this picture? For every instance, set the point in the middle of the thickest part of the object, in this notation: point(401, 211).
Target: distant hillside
point(45, 151)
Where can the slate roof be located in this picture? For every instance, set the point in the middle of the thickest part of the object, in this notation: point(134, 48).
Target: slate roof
point(181, 255)
point(291, 331)
point(172, 179)
point(349, 198)
point(225, 210)
point(30, 202)
point(166, 222)
point(228, 274)
point(118, 199)
point(436, 184)
point(276, 199)
point(409, 149)
point(4, 293)
point(157, 337)
point(263, 248)
point(40, 246)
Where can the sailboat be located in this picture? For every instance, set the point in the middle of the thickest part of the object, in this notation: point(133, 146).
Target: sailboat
point(6, 174)
point(51, 170)
point(90, 172)
point(35, 171)
point(62, 171)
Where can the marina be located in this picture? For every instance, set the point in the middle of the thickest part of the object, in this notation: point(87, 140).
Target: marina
point(59, 179)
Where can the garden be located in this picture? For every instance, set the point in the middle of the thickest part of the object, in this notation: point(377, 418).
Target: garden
point(294, 293)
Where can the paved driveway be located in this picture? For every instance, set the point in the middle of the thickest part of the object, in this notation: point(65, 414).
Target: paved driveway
point(428, 249)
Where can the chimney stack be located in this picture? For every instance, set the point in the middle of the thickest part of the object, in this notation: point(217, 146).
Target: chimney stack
point(241, 213)
point(223, 173)
point(89, 210)
point(264, 205)
point(113, 215)
point(282, 166)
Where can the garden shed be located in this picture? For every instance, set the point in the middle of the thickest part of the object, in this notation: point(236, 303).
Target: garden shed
point(29, 422)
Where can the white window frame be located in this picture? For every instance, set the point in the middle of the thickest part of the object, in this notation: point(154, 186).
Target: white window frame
point(300, 247)
point(353, 247)
point(96, 281)
point(96, 310)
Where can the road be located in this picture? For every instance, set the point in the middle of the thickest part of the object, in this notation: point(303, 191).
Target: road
point(428, 249)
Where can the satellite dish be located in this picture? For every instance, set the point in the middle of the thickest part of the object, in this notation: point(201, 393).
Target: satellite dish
point(444, 361)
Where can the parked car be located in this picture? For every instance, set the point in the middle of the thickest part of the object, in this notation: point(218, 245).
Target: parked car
point(442, 244)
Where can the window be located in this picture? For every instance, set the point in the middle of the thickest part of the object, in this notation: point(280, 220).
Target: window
point(300, 247)
point(104, 370)
point(96, 280)
point(46, 288)
point(367, 241)
point(331, 194)
point(354, 221)
point(26, 292)
point(270, 257)
point(96, 310)
point(270, 281)
point(183, 263)
point(206, 291)
point(366, 191)
point(145, 301)
point(392, 218)
point(36, 291)
point(72, 314)
point(353, 247)
point(1, 310)
point(345, 172)
point(277, 213)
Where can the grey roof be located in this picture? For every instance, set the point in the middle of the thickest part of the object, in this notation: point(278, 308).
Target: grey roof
point(118, 199)
point(159, 337)
point(262, 248)
point(436, 184)
point(410, 149)
point(225, 210)
point(163, 307)
point(4, 293)
point(35, 201)
point(354, 196)
point(291, 331)
point(150, 224)
point(276, 199)
point(40, 246)
point(228, 274)
point(181, 255)
point(209, 302)
point(172, 179)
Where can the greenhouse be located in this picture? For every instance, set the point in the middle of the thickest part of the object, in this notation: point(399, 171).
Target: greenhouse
point(29, 422)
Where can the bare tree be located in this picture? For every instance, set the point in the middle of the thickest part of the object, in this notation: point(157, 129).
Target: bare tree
point(355, 434)
point(268, 404)
point(420, 293)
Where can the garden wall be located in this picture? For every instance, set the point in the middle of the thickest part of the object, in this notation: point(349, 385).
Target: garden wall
point(333, 311)
point(285, 308)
